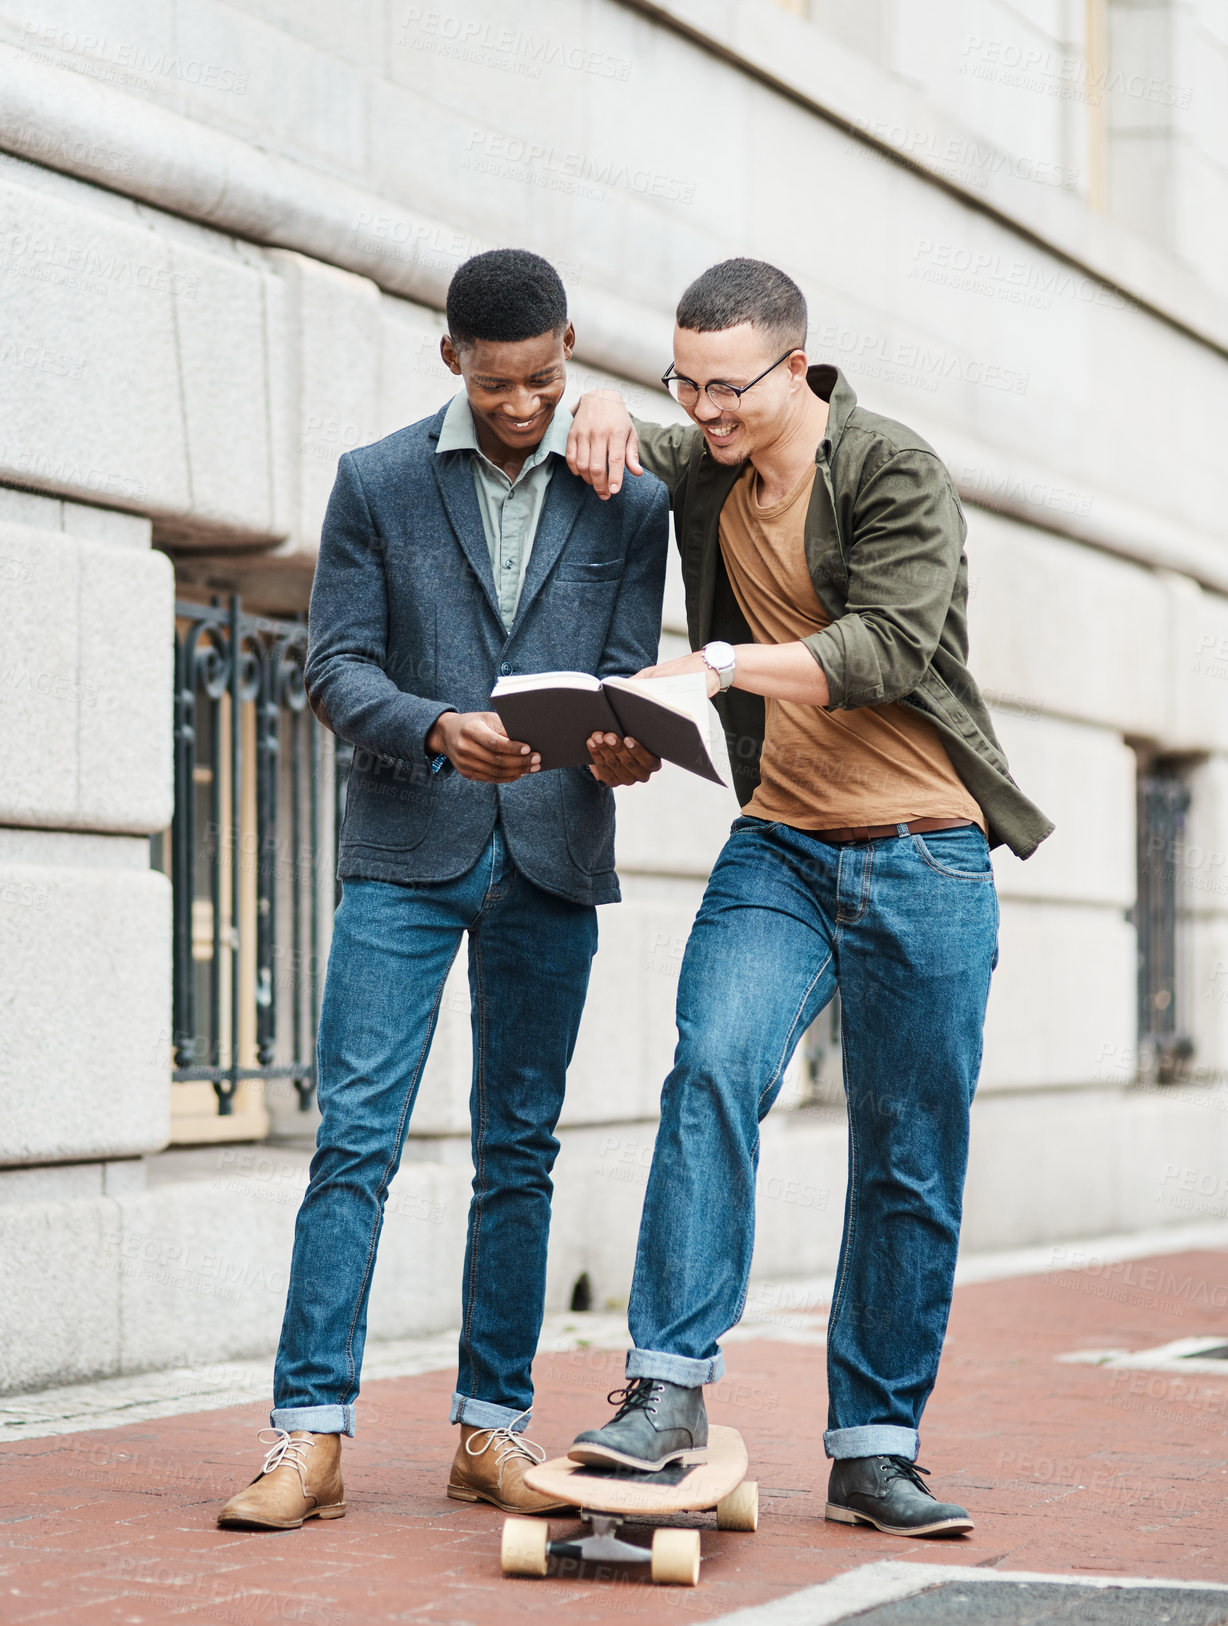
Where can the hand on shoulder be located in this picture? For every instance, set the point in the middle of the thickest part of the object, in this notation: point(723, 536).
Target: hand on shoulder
point(602, 442)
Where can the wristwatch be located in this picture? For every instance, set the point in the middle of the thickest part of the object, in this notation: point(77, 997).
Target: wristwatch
point(721, 658)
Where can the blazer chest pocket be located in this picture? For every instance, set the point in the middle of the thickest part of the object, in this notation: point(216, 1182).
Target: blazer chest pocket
point(588, 570)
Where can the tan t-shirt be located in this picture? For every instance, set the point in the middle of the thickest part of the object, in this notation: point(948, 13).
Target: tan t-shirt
point(823, 770)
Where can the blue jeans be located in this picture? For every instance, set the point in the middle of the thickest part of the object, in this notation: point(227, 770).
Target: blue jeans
point(529, 960)
point(906, 928)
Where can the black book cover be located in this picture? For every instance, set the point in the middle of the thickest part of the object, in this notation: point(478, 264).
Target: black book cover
point(663, 732)
point(556, 722)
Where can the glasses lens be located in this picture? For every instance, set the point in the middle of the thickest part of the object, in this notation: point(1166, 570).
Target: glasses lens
point(682, 390)
point(723, 396)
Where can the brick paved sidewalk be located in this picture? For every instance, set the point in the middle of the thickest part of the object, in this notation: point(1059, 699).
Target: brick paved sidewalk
point(1069, 1469)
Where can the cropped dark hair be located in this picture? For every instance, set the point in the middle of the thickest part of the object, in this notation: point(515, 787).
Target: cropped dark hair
point(737, 291)
point(505, 295)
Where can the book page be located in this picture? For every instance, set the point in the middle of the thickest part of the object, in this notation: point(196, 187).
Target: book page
point(685, 692)
point(546, 680)
point(684, 696)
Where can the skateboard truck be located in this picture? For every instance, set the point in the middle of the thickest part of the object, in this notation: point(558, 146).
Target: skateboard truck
point(674, 1554)
point(603, 1546)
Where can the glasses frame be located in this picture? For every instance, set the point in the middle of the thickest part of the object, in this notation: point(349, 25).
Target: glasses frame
point(739, 390)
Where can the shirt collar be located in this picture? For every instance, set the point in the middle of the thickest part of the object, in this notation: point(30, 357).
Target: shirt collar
point(832, 386)
point(458, 433)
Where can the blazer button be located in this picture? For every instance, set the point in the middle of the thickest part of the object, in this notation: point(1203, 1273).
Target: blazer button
point(505, 670)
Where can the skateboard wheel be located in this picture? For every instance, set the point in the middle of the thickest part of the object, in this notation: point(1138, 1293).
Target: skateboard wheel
point(526, 1546)
point(675, 1557)
point(740, 1509)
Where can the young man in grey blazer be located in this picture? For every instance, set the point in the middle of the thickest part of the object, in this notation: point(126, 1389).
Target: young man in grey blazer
point(455, 551)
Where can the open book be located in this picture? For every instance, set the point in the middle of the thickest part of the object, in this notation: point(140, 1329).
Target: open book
point(555, 712)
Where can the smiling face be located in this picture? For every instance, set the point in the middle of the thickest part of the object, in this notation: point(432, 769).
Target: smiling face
point(735, 355)
point(513, 388)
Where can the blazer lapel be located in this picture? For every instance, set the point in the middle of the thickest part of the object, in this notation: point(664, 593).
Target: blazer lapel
point(559, 512)
point(454, 478)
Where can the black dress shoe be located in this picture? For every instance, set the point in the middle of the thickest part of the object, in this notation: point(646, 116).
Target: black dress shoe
point(656, 1424)
point(888, 1493)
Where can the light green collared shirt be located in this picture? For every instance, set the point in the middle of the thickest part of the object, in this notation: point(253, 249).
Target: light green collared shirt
point(511, 509)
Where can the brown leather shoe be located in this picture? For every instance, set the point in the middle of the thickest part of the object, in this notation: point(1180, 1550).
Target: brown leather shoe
point(301, 1479)
point(489, 1466)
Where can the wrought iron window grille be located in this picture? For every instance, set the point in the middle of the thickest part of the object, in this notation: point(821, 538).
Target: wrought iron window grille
point(1160, 918)
point(246, 852)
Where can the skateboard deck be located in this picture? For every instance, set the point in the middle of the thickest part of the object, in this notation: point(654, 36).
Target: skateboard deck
point(681, 1488)
point(606, 1497)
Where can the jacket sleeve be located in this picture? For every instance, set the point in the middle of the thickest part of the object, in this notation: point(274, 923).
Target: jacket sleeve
point(347, 635)
point(903, 560)
point(635, 626)
point(666, 450)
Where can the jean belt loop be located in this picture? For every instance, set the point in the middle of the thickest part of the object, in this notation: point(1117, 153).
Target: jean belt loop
point(902, 830)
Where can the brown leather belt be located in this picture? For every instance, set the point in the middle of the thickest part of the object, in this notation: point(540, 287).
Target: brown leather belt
point(874, 832)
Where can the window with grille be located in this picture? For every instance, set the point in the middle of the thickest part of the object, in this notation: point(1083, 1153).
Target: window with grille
point(250, 858)
point(1161, 920)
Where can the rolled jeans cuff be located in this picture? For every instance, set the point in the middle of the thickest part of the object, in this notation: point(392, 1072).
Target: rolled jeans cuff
point(871, 1440)
point(485, 1414)
point(681, 1369)
point(315, 1419)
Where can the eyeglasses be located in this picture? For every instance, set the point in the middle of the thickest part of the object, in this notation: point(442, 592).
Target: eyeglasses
point(724, 396)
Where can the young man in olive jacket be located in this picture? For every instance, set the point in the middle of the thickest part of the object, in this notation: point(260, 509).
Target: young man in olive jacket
point(826, 584)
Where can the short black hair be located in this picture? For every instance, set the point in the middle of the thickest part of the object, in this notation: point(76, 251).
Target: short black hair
point(505, 295)
point(737, 291)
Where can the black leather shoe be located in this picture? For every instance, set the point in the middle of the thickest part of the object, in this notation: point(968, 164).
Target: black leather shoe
point(887, 1492)
point(656, 1424)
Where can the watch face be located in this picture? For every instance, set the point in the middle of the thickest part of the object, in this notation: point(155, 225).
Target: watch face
point(721, 659)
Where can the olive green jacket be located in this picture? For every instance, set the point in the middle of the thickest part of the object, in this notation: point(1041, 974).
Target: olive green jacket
point(885, 549)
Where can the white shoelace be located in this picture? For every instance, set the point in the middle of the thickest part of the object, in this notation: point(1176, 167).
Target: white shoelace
point(506, 1444)
point(285, 1452)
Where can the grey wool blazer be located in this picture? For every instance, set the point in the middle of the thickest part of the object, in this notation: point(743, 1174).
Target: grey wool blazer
point(404, 624)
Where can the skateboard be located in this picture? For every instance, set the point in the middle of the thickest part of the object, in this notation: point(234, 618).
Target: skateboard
point(607, 1497)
